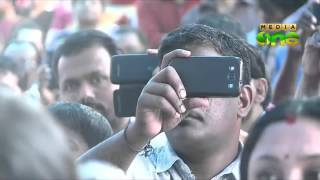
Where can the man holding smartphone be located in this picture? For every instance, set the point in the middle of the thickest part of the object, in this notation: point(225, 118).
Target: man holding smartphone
point(201, 139)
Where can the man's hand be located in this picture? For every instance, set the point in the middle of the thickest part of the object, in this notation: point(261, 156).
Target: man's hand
point(306, 24)
point(160, 104)
point(311, 68)
point(311, 55)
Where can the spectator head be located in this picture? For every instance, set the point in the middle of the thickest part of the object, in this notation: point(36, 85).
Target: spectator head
point(82, 68)
point(26, 56)
point(130, 40)
point(284, 143)
point(258, 72)
point(9, 74)
point(88, 12)
point(29, 31)
point(261, 90)
point(219, 6)
point(82, 122)
point(279, 9)
point(32, 145)
point(224, 23)
point(23, 8)
point(5, 5)
point(221, 116)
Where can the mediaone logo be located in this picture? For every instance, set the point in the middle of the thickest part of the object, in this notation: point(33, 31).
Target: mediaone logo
point(278, 34)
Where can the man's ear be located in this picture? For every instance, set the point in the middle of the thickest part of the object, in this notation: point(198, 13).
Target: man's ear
point(245, 101)
point(262, 87)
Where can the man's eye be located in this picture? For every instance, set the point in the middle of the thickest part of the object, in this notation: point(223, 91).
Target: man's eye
point(312, 175)
point(96, 80)
point(70, 86)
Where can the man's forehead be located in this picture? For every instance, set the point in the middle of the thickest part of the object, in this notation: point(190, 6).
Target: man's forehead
point(95, 59)
point(204, 51)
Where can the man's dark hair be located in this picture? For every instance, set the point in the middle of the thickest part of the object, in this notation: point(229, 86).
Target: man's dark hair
point(83, 120)
point(79, 41)
point(197, 35)
point(32, 145)
point(258, 70)
point(223, 22)
point(290, 109)
point(22, 42)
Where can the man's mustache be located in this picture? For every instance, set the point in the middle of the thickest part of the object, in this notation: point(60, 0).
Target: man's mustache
point(97, 106)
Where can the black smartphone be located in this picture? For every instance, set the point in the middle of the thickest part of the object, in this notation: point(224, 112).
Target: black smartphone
point(133, 69)
point(210, 76)
point(125, 99)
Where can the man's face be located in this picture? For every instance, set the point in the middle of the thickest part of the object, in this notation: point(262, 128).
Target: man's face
point(218, 117)
point(287, 151)
point(25, 56)
point(88, 10)
point(85, 78)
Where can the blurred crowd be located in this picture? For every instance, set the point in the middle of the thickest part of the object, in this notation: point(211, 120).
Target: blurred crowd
point(57, 116)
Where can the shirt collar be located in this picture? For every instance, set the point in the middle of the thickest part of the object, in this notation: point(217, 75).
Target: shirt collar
point(163, 157)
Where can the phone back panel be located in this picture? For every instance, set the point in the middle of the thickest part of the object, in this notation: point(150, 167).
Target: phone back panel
point(133, 69)
point(209, 76)
point(125, 100)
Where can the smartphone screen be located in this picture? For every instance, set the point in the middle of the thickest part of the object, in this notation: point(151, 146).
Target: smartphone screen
point(125, 99)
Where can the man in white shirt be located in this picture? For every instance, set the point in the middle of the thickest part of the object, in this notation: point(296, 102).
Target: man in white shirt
point(201, 139)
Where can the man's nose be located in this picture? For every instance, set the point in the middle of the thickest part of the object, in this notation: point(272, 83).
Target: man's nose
point(294, 173)
point(87, 91)
point(191, 103)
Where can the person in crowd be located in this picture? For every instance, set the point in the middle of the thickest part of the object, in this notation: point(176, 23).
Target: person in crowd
point(87, 15)
point(260, 84)
point(309, 86)
point(223, 22)
point(9, 75)
point(32, 145)
point(33, 77)
point(201, 139)
point(28, 30)
point(284, 143)
point(85, 126)
point(158, 17)
point(262, 92)
point(23, 8)
point(82, 70)
point(289, 71)
point(26, 56)
point(130, 40)
point(244, 11)
point(8, 18)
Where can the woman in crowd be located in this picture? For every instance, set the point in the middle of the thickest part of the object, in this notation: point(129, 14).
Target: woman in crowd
point(284, 144)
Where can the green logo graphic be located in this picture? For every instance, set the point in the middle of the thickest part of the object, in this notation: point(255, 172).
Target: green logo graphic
point(281, 38)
